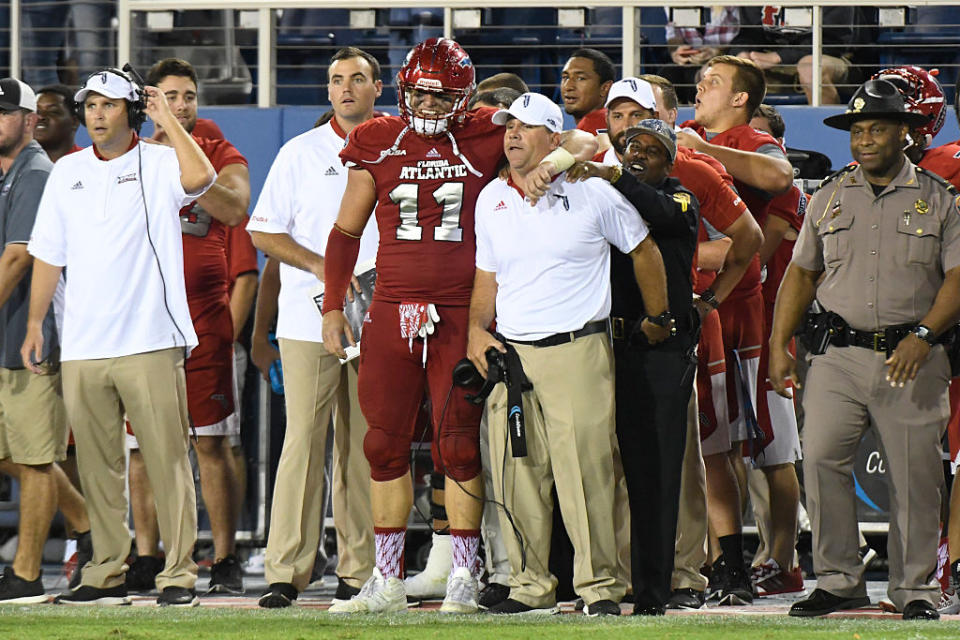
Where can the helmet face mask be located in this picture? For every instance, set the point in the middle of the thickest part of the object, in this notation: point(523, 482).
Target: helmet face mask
point(440, 67)
point(922, 94)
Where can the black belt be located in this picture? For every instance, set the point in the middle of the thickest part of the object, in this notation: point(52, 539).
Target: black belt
point(597, 326)
point(884, 340)
point(623, 327)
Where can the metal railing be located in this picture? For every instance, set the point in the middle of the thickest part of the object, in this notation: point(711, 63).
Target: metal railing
point(269, 52)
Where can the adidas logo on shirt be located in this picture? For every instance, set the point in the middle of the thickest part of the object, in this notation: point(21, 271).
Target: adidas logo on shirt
point(331, 172)
point(433, 153)
point(501, 206)
point(77, 185)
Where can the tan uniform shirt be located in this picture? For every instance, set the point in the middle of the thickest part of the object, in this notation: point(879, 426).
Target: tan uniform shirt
point(884, 256)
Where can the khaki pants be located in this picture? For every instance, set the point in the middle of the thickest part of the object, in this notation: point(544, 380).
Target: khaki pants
point(151, 387)
point(691, 552)
point(496, 560)
point(352, 513)
point(314, 383)
point(846, 390)
point(569, 417)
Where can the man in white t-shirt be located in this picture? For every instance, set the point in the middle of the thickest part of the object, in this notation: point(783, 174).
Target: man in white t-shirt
point(109, 214)
point(293, 217)
point(543, 273)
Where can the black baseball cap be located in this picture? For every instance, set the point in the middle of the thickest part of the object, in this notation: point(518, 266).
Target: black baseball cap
point(15, 95)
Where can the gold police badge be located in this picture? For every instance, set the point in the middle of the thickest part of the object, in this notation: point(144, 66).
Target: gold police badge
point(921, 207)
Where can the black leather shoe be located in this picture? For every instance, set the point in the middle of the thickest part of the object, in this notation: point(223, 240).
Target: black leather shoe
point(821, 602)
point(649, 611)
point(602, 608)
point(920, 610)
point(492, 595)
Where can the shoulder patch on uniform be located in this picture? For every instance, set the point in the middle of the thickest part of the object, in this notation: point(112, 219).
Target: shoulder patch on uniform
point(837, 174)
point(944, 183)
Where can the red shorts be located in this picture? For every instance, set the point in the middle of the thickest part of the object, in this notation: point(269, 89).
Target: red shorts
point(391, 385)
point(210, 379)
point(711, 364)
point(743, 330)
point(953, 427)
point(776, 415)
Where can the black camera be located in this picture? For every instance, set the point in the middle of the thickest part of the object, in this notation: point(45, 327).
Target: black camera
point(466, 375)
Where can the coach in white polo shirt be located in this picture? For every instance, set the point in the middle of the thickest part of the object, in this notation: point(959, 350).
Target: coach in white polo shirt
point(110, 215)
point(291, 222)
point(543, 273)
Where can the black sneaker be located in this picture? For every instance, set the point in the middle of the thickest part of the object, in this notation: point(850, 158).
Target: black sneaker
point(737, 589)
point(87, 595)
point(84, 555)
point(226, 576)
point(16, 590)
point(718, 574)
point(344, 591)
point(602, 608)
point(821, 602)
point(515, 607)
point(178, 597)
point(685, 599)
point(492, 595)
point(278, 596)
point(142, 574)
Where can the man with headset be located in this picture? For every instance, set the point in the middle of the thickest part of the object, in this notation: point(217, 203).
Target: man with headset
point(110, 214)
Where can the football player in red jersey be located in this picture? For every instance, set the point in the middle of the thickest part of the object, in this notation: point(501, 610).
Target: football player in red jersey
point(923, 93)
point(210, 388)
point(727, 97)
point(422, 171)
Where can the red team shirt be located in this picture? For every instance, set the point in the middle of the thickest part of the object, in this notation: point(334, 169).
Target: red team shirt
point(241, 254)
point(745, 138)
point(594, 122)
point(205, 251)
point(425, 211)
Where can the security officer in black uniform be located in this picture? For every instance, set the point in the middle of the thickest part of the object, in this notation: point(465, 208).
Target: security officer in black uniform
point(653, 383)
point(885, 237)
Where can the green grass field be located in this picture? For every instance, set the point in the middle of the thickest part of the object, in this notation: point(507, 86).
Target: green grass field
point(147, 623)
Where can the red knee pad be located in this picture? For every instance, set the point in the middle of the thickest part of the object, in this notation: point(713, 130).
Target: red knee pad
point(389, 457)
point(460, 449)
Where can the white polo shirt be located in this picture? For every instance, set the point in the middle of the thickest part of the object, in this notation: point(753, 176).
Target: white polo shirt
point(93, 221)
point(553, 260)
point(301, 197)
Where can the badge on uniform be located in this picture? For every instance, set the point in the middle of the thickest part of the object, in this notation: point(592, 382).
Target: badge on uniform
point(921, 207)
point(835, 212)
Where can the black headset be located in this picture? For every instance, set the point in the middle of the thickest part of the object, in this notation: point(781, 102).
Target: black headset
point(136, 109)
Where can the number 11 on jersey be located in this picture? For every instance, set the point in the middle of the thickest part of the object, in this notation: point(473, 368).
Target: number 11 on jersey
point(448, 195)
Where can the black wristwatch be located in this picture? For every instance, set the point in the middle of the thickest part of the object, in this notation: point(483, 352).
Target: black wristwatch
point(925, 333)
point(710, 298)
point(664, 320)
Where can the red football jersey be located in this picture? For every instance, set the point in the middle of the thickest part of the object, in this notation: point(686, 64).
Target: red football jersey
point(204, 250)
point(745, 138)
point(426, 195)
point(594, 122)
point(944, 161)
point(241, 254)
point(790, 206)
point(719, 203)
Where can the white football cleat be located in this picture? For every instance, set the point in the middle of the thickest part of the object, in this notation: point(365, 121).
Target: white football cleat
point(377, 595)
point(461, 593)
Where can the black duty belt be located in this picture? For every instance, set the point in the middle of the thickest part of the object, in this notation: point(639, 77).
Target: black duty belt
point(884, 340)
point(597, 326)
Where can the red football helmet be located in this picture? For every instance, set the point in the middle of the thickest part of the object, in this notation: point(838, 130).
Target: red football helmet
point(436, 65)
point(922, 93)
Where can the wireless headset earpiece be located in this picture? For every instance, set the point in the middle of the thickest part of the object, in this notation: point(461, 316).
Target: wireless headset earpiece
point(136, 109)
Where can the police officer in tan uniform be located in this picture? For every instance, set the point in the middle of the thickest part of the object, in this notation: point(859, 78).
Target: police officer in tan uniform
point(885, 235)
